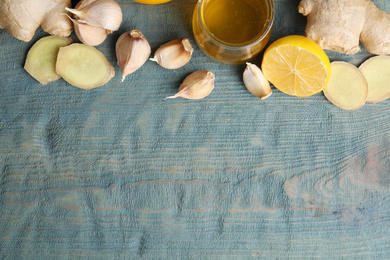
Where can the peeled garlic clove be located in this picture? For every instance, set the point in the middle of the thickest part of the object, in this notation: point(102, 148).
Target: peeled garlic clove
point(174, 54)
point(88, 34)
point(106, 14)
point(197, 85)
point(132, 51)
point(256, 82)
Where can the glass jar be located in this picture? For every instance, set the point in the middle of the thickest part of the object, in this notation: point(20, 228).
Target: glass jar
point(234, 31)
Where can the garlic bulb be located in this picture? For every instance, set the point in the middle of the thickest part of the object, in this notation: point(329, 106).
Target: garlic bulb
point(256, 82)
point(132, 51)
point(106, 14)
point(174, 54)
point(197, 85)
point(88, 34)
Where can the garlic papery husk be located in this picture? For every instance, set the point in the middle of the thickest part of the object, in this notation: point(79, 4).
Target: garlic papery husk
point(106, 14)
point(84, 3)
point(88, 34)
point(197, 85)
point(174, 54)
point(132, 51)
point(256, 82)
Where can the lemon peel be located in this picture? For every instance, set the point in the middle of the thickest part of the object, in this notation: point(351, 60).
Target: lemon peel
point(152, 2)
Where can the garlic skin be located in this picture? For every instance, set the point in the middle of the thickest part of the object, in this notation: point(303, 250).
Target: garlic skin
point(132, 51)
point(84, 3)
point(174, 54)
point(88, 34)
point(106, 14)
point(197, 85)
point(255, 81)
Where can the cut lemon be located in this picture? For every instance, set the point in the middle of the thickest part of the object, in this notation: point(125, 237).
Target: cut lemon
point(152, 2)
point(296, 66)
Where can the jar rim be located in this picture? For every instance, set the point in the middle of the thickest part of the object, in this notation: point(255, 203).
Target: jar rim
point(267, 27)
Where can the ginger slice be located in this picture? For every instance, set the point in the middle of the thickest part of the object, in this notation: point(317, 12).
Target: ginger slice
point(84, 66)
point(347, 86)
point(41, 58)
point(376, 70)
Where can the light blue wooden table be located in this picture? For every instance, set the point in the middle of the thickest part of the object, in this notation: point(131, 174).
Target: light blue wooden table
point(119, 172)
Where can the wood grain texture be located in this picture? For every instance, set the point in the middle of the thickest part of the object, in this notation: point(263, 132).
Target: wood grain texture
point(119, 172)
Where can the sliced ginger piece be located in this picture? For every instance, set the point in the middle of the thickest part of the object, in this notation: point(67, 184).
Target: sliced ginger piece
point(42, 57)
point(347, 87)
point(376, 70)
point(84, 66)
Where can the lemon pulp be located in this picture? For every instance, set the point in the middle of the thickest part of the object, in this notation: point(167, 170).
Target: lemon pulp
point(296, 66)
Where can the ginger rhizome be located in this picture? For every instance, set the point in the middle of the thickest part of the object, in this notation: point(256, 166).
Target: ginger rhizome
point(339, 25)
point(21, 18)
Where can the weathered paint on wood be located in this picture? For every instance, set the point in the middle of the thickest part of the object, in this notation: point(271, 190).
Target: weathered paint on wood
point(119, 172)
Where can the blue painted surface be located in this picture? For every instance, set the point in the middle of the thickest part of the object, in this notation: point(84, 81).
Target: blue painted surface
point(119, 172)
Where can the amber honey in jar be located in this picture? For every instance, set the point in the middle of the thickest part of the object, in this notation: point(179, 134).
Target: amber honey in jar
point(233, 31)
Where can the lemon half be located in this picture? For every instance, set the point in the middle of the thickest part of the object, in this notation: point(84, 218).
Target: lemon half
point(296, 66)
point(152, 2)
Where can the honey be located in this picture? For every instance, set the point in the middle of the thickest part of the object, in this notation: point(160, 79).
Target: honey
point(233, 31)
point(234, 22)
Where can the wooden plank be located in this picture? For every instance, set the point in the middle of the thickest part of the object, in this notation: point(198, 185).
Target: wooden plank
point(119, 172)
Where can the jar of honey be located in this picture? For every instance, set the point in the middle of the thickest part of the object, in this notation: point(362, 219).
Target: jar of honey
point(233, 31)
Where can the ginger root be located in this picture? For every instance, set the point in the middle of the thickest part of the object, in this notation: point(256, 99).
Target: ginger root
point(375, 35)
point(339, 25)
point(21, 18)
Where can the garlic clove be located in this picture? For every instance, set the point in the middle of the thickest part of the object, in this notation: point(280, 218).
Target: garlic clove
point(88, 34)
point(132, 51)
point(83, 3)
point(255, 81)
point(174, 54)
point(197, 85)
point(100, 13)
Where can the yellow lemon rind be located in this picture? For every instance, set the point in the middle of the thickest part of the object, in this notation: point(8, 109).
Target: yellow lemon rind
point(152, 2)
